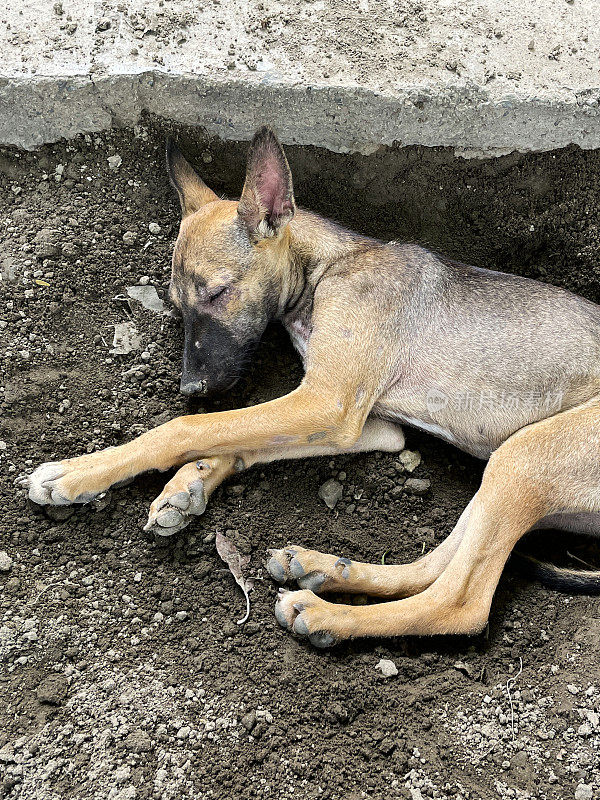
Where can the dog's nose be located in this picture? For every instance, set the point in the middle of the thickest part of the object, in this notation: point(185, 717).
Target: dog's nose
point(192, 387)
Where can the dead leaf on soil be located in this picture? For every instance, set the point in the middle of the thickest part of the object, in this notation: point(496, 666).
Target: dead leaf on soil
point(237, 564)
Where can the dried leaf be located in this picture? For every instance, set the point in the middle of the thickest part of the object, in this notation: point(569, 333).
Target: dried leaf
point(237, 563)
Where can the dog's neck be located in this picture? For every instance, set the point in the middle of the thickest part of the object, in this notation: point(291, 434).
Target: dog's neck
point(314, 244)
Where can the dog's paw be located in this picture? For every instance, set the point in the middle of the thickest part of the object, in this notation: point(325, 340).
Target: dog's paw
point(308, 616)
point(174, 508)
point(46, 487)
point(312, 570)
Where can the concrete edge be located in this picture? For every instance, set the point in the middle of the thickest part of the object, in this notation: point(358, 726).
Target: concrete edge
point(39, 110)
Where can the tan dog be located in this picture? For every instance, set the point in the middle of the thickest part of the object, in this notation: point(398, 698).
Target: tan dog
point(503, 367)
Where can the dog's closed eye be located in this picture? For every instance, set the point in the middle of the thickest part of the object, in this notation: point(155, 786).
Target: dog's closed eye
point(216, 293)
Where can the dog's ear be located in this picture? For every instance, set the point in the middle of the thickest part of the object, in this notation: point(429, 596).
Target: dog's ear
point(193, 192)
point(267, 202)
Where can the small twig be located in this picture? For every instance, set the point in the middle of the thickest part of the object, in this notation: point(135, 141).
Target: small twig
point(509, 684)
point(581, 561)
point(51, 586)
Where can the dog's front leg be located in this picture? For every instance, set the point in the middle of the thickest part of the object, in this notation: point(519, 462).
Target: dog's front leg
point(310, 415)
point(189, 490)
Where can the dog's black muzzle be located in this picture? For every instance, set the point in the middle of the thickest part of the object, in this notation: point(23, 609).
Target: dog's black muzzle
point(212, 358)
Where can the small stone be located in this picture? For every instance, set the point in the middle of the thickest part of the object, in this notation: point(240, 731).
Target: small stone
point(387, 668)
point(144, 280)
point(53, 690)
point(103, 25)
point(331, 493)
point(249, 720)
point(154, 227)
point(122, 773)
point(12, 585)
point(129, 237)
point(585, 729)
point(184, 732)
point(417, 486)
point(572, 688)
point(138, 742)
point(114, 162)
point(6, 561)
point(410, 459)
point(584, 792)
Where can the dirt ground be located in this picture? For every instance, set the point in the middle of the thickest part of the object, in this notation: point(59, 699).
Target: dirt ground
point(123, 673)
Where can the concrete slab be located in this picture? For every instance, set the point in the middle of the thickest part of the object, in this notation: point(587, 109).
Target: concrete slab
point(484, 78)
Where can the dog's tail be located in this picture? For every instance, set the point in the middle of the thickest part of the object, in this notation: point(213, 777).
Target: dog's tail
point(563, 579)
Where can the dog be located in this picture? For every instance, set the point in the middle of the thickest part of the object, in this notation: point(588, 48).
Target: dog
point(390, 334)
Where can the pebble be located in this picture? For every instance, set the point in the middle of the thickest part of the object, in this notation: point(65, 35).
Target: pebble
point(249, 720)
point(387, 668)
point(418, 486)
point(410, 459)
point(584, 792)
point(6, 561)
point(331, 493)
point(154, 227)
point(114, 162)
point(53, 690)
point(138, 742)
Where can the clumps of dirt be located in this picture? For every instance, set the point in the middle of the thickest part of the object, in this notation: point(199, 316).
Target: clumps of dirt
point(124, 674)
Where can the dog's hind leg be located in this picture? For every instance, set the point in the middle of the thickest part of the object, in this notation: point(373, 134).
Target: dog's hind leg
point(550, 467)
point(322, 572)
point(188, 491)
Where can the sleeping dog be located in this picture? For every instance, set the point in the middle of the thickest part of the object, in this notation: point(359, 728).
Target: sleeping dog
point(505, 368)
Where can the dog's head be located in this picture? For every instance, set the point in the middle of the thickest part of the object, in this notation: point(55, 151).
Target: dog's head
point(229, 263)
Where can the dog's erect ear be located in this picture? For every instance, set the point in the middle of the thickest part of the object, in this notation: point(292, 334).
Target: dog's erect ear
point(267, 202)
point(193, 192)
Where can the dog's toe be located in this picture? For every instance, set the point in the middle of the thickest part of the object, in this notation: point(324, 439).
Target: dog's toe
point(284, 565)
point(313, 581)
point(42, 485)
point(180, 500)
point(276, 570)
point(171, 513)
point(305, 614)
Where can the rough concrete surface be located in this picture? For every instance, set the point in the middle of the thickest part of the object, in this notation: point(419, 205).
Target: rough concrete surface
point(484, 78)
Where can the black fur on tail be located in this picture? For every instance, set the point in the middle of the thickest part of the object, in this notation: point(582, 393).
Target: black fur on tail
point(563, 579)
